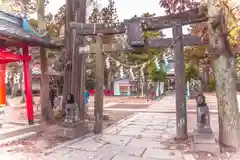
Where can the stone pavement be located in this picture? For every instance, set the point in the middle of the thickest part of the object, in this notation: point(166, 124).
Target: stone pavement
point(146, 135)
point(143, 136)
point(167, 104)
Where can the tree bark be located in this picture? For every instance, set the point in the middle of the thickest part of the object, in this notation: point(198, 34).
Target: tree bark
point(225, 76)
point(46, 109)
point(228, 113)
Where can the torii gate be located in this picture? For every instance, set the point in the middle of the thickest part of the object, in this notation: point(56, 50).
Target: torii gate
point(135, 28)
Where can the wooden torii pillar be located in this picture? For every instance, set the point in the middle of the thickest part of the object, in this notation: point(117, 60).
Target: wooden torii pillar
point(176, 22)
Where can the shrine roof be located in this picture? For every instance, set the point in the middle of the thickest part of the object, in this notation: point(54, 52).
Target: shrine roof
point(12, 33)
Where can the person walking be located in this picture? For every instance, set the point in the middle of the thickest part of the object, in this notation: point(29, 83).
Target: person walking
point(86, 98)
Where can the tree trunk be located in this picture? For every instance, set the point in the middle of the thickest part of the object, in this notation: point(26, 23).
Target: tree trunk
point(46, 109)
point(14, 90)
point(207, 75)
point(228, 112)
point(23, 100)
point(109, 80)
point(225, 76)
point(145, 82)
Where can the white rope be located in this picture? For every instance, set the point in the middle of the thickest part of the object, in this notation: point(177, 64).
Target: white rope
point(144, 63)
point(94, 28)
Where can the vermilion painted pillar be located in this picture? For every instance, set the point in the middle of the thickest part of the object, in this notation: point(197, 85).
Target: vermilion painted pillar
point(2, 85)
point(27, 83)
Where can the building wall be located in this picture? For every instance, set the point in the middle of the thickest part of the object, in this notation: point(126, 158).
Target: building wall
point(116, 89)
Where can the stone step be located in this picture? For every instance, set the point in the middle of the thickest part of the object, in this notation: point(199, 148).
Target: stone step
point(17, 138)
point(19, 130)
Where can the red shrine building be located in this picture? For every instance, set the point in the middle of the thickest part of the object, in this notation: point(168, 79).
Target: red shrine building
point(16, 36)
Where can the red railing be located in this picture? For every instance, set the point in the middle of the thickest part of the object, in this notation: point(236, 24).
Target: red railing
point(106, 92)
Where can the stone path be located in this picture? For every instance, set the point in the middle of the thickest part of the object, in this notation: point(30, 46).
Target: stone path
point(165, 105)
point(146, 135)
point(143, 136)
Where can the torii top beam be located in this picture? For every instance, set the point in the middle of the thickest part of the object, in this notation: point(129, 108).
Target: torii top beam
point(150, 24)
point(188, 40)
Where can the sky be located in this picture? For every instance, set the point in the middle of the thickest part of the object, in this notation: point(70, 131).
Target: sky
point(125, 9)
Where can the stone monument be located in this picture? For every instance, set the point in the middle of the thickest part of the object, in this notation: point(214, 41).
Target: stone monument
point(72, 127)
point(203, 137)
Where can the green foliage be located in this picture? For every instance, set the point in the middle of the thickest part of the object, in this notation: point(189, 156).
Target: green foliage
point(25, 7)
point(238, 62)
point(158, 75)
point(106, 15)
point(143, 55)
point(191, 72)
point(211, 86)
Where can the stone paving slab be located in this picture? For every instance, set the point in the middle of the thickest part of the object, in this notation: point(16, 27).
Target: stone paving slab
point(140, 137)
point(122, 157)
point(163, 154)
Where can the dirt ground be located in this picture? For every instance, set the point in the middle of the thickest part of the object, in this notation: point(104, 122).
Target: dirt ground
point(37, 143)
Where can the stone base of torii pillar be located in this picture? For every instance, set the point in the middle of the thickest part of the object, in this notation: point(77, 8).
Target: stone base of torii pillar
point(204, 142)
point(73, 130)
point(203, 138)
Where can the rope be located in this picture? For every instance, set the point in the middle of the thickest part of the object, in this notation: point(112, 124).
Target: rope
point(144, 63)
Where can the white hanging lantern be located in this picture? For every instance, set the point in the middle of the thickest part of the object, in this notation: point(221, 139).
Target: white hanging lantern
point(85, 49)
point(118, 64)
point(142, 73)
point(157, 63)
point(121, 72)
point(170, 52)
point(132, 74)
point(165, 60)
point(107, 63)
point(6, 77)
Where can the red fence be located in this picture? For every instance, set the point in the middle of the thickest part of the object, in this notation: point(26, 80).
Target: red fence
point(106, 92)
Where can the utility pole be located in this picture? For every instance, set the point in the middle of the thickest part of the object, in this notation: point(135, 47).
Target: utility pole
point(181, 111)
point(98, 103)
